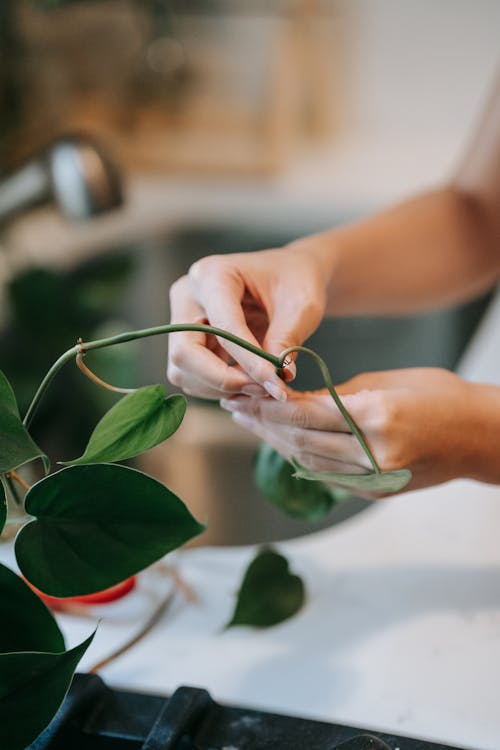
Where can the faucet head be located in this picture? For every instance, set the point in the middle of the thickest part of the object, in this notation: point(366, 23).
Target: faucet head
point(74, 172)
point(84, 181)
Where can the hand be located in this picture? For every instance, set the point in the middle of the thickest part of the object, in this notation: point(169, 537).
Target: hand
point(272, 298)
point(427, 420)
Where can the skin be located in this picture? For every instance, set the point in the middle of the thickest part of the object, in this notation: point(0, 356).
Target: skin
point(436, 249)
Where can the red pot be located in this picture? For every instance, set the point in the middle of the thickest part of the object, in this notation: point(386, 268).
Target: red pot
point(100, 597)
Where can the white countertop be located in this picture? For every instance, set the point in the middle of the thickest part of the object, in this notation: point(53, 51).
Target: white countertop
point(401, 630)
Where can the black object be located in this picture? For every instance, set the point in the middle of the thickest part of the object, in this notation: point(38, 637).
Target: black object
point(95, 717)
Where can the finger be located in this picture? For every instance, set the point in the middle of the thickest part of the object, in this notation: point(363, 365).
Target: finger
point(316, 412)
point(279, 440)
point(292, 320)
point(193, 386)
point(326, 446)
point(221, 293)
point(209, 375)
point(191, 363)
point(196, 386)
point(321, 464)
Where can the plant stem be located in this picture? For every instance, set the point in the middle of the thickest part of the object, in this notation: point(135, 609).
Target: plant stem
point(328, 382)
point(278, 362)
point(66, 357)
point(19, 519)
point(19, 479)
point(11, 487)
point(146, 628)
point(95, 379)
point(122, 338)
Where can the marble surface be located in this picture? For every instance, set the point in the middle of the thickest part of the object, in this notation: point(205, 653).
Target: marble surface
point(401, 630)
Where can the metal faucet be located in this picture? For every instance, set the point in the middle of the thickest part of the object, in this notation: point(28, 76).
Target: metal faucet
point(74, 172)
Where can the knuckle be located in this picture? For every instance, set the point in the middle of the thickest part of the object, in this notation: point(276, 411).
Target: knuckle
point(178, 287)
point(303, 457)
point(310, 461)
point(176, 357)
point(205, 266)
point(174, 375)
point(298, 438)
point(298, 418)
point(253, 408)
point(224, 383)
point(314, 309)
point(392, 455)
point(392, 449)
point(376, 412)
point(385, 414)
point(359, 383)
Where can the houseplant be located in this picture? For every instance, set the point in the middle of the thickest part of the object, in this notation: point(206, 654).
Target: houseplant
point(95, 522)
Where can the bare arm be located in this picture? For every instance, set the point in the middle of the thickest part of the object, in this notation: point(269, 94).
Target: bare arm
point(433, 250)
point(436, 249)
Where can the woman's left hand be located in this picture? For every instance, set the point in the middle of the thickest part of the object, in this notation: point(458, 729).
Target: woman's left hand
point(427, 420)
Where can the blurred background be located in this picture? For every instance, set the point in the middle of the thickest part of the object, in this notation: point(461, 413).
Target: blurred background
point(139, 135)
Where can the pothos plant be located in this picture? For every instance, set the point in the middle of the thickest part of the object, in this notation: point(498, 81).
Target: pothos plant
point(95, 522)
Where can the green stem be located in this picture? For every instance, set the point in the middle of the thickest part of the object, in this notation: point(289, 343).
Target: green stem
point(13, 520)
point(13, 490)
point(278, 362)
point(122, 338)
point(329, 384)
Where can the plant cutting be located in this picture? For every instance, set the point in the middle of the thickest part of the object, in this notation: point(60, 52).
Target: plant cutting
point(96, 522)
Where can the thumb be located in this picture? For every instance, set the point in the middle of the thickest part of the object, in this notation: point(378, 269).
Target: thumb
point(277, 341)
point(290, 325)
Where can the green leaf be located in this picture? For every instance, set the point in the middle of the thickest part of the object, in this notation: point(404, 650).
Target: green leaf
point(16, 444)
point(96, 526)
point(386, 481)
point(269, 593)
point(298, 498)
point(25, 622)
point(135, 424)
point(32, 687)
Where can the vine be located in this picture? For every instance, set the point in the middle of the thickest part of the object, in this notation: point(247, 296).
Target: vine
point(83, 531)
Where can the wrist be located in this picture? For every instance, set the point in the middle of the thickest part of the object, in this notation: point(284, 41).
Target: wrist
point(322, 250)
point(482, 434)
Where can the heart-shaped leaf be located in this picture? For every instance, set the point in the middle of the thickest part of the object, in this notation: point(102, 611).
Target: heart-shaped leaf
point(269, 593)
point(16, 444)
point(32, 687)
point(275, 478)
point(386, 481)
point(96, 526)
point(138, 422)
point(25, 622)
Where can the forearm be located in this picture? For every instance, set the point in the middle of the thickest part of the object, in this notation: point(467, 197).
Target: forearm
point(434, 250)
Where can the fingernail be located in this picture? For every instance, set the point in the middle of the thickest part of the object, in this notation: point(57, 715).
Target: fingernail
point(253, 390)
point(229, 405)
point(243, 419)
point(275, 391)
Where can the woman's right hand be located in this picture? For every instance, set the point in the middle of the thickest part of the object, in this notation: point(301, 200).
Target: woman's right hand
point(272, 298)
